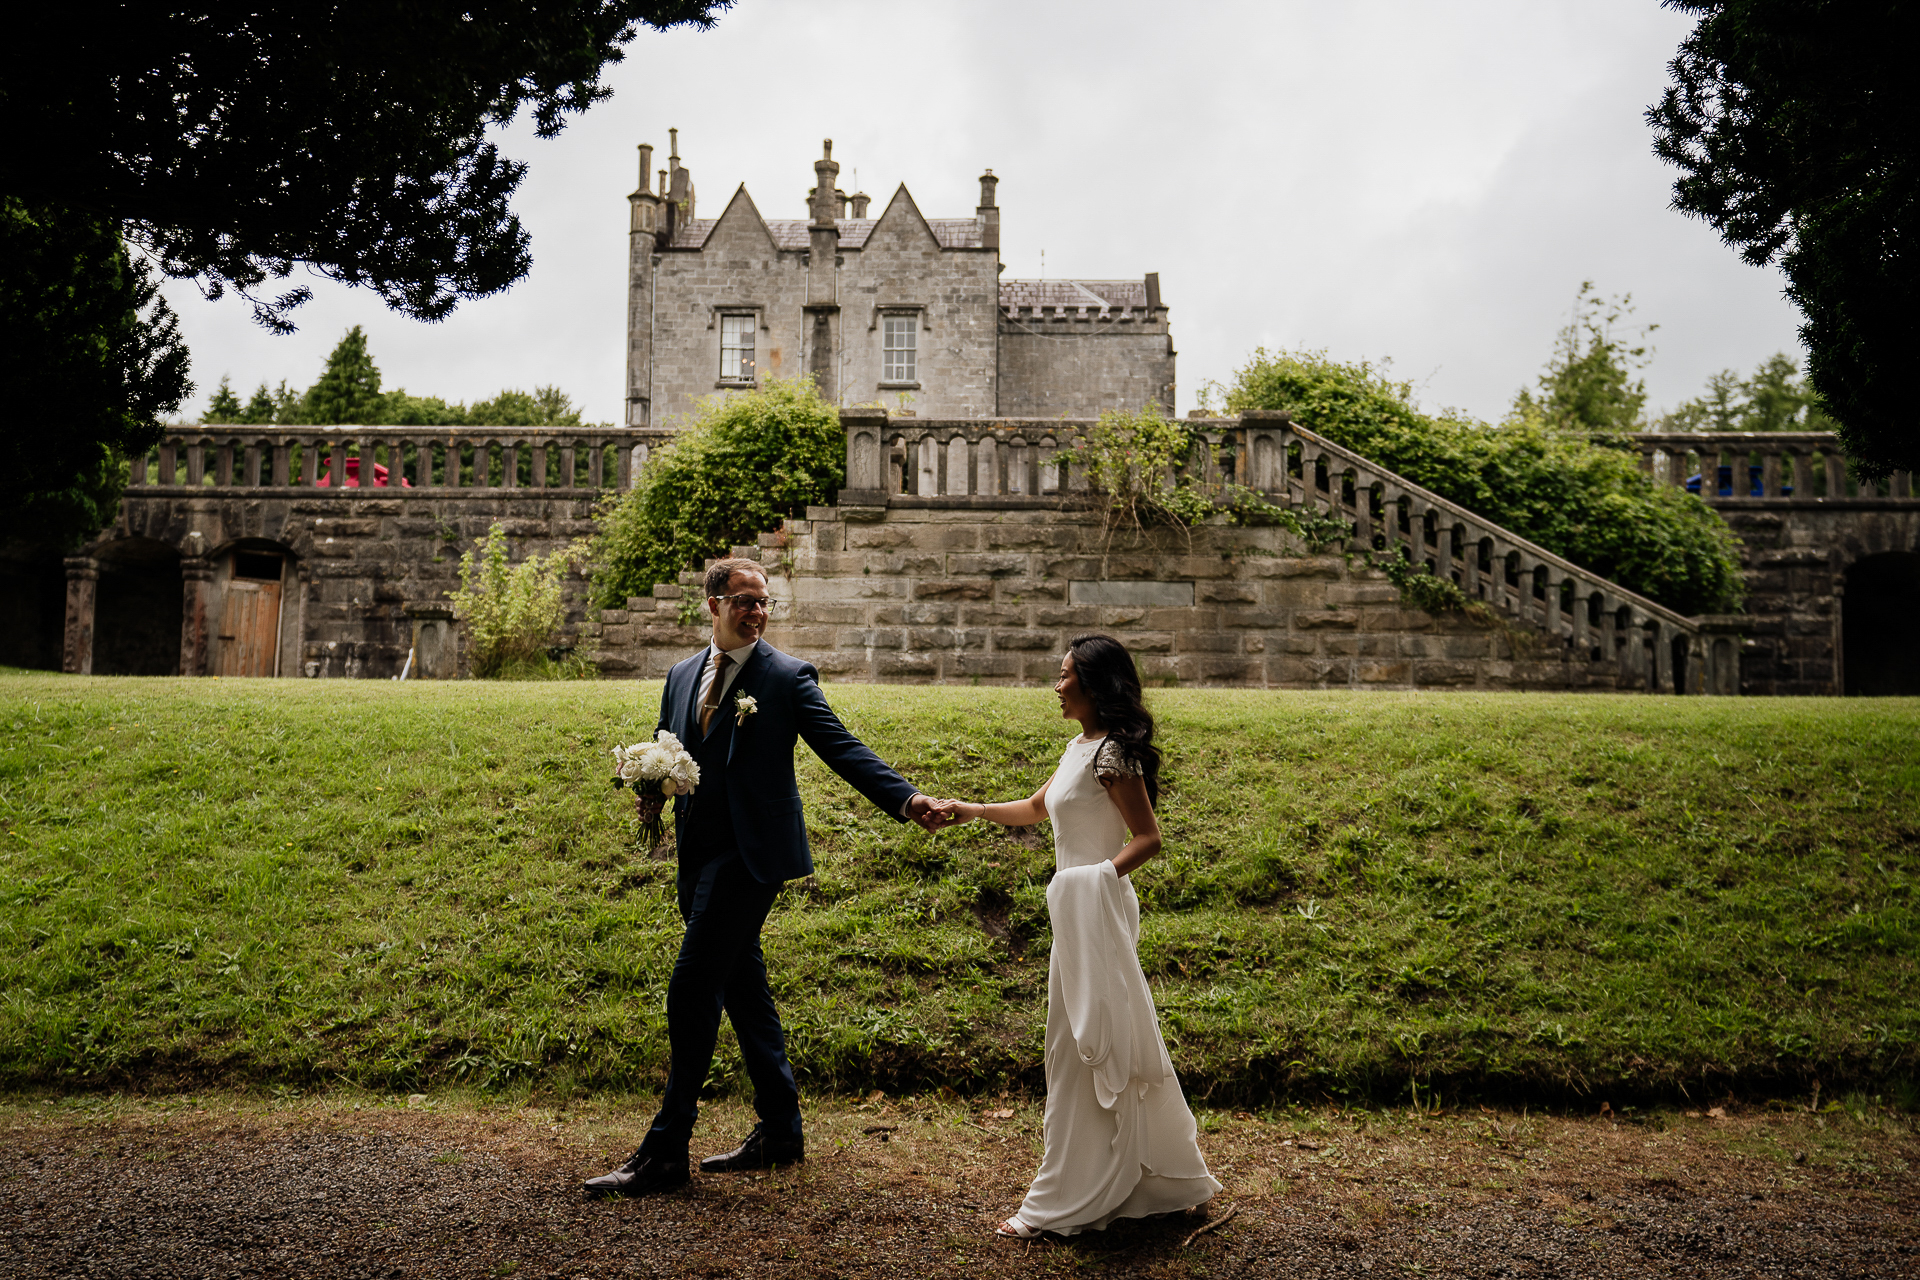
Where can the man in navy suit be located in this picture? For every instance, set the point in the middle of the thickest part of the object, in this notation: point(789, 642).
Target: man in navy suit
point(739, 705)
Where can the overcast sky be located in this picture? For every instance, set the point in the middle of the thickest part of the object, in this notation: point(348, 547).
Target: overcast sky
point(1413, 180)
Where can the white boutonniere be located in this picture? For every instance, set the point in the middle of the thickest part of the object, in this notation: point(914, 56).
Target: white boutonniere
point(743, 706)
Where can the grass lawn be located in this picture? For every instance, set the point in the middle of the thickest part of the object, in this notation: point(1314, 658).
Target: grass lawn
point(1511, 896)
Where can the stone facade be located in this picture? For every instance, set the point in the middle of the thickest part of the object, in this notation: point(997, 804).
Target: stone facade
point(230, 556)
point(901, 309)
point(974, 550)
point(1832, 562)
point(931, 595)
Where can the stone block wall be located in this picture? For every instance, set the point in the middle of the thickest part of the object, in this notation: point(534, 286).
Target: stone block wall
point(1085, 365)
point(362, 568)
point(1797, 558)
point(931, 594)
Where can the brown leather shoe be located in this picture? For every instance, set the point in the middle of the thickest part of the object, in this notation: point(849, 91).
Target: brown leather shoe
point(757, 1152)
point(641, 1176)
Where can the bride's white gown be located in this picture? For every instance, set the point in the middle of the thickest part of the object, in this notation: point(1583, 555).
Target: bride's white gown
point(1120, 1140)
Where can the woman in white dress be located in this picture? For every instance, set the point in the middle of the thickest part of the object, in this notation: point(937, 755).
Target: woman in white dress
point(1120, 1141)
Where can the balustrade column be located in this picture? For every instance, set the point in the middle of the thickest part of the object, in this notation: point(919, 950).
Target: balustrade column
point(1770, 474)
point(1802, 475)
point(510, 464)
point(282, 454)
point(1836, 475)
point(223, 464)
point(83, 592)
point(596, 463)
point(196, 464)
point(566, 466)
point(168, 456)
point(137, 474)
point(251, 465)
point(539, 471)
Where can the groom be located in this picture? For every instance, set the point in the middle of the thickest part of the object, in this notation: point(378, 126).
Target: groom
point(738, 706)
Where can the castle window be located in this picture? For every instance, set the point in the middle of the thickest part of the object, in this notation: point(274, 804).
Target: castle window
point(898, 335)
point(736, 348)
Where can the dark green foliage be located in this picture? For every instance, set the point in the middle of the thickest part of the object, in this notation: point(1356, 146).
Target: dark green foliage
point(90, 360)
point(236, 140)
point(1577, 498)
point(348, 393)
point(1775, 398)
point(1538, 897)
point(223, 406)
point(1796, 127)
point(749, 459)
point(349, 388)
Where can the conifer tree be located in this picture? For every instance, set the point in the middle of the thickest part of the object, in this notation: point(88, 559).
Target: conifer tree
point(224, 406)
point(349, 391)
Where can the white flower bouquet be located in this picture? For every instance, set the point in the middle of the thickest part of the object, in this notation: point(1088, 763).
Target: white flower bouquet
point(662, 768)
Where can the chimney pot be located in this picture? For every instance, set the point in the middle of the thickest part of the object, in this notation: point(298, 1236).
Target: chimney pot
point(860, 199)
point(646, 163)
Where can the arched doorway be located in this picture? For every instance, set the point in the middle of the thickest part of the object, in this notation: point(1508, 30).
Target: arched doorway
point(1880, 626)
point(136, 617)
point(33, 581)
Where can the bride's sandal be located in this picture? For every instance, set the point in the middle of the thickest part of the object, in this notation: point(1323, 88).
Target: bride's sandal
point(1014, 1229)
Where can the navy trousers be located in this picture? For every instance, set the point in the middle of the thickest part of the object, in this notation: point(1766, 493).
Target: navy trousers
point(720, 966)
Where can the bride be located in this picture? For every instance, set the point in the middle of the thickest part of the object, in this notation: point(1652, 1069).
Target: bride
point(1120, 1141)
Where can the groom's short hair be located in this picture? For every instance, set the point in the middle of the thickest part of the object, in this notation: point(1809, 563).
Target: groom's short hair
point(720, 577)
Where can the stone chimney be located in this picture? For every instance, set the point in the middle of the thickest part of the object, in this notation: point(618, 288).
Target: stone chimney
point(1153, 291)
point(988, 212)
point(840, 198)
point(825, 197)
point(823, 274)
point(860, 199)
point(680, 190)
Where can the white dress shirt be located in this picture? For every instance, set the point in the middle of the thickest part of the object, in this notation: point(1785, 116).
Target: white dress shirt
point(739, 657)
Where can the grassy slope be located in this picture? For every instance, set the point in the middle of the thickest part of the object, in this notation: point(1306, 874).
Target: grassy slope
point(396, 884)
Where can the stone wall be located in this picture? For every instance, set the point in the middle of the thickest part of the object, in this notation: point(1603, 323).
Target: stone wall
point(1085, 364)
point(361, 568)
point(1832, 560)
point(945, 594)
point(1798, 558)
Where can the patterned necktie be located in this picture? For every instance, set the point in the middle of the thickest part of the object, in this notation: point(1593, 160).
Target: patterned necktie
point(711, 703)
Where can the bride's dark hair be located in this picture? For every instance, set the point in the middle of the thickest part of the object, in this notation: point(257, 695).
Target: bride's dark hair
point(1111, 681)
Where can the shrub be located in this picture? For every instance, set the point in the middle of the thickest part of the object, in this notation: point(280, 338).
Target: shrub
point(512, 612)
point(1579, 497)
point(749, 459)
point(1141, 471)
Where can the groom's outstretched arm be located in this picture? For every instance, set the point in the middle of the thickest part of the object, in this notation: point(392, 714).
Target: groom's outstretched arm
point(845, 754)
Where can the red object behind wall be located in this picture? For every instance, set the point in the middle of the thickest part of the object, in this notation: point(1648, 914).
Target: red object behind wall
point(353, 476)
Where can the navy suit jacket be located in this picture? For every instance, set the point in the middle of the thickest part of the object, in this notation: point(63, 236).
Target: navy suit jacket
point(762, 795)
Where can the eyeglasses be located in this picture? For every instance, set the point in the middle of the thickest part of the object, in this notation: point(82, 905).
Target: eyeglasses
point(747, 604)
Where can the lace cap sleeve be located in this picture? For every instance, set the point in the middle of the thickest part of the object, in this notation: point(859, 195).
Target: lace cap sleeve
point(1110, 763)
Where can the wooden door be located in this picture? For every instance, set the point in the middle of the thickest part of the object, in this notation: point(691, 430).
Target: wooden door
point(250, 626)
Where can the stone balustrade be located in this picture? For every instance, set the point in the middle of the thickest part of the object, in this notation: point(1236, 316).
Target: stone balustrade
point(1739, 466)
point(999, 517)
point(1655, 647)
point(402, 459)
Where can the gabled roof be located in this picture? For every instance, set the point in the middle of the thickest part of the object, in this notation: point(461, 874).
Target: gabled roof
point(1074, 295)
point(791, 233)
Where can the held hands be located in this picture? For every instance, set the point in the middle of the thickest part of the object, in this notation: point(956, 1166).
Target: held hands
point(648, 805)
point(932, 814)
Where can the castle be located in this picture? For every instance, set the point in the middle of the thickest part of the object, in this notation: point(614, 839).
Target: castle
point(901, 310)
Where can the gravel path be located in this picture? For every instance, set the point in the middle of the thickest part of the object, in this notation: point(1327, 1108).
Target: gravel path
point(221, 1187)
